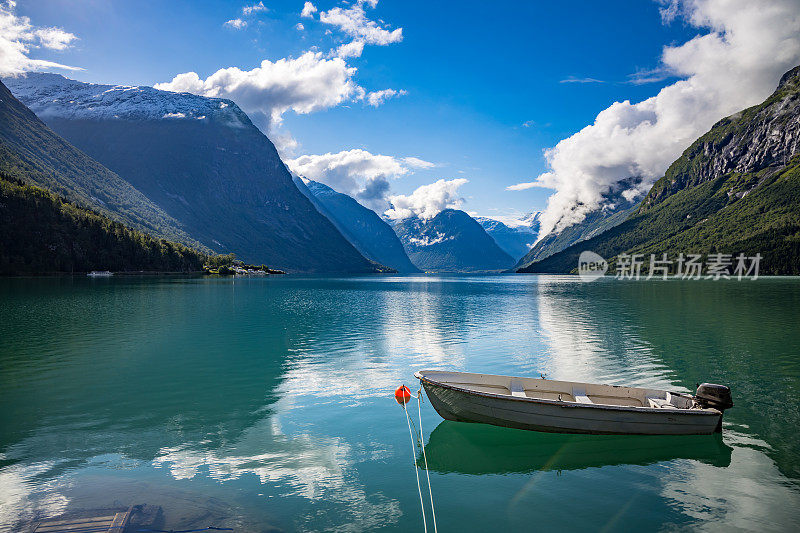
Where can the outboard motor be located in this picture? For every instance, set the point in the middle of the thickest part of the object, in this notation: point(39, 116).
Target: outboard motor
point(714, 396)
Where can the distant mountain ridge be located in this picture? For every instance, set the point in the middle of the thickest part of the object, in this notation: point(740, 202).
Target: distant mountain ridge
point(202, 162)
point(516, 241)
point(451, 241)
point(368, 232)
point(735, 190)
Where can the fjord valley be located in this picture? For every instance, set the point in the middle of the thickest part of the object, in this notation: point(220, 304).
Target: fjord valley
point(179, 167)
point(241, 241)
point(196, 170)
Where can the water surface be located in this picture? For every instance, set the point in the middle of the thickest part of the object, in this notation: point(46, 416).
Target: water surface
point(266, 404)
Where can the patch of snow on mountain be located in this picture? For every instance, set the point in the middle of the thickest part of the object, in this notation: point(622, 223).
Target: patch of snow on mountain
point(427, 241)
point(529, 222)
point(54, 96)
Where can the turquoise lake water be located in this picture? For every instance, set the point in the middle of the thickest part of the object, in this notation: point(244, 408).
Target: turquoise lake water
point(267, 405)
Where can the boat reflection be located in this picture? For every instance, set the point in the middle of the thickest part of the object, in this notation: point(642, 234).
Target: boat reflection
point(457, 447)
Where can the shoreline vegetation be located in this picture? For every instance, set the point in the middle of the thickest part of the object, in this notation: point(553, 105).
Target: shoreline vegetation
point(42, 233)
point(228, 265)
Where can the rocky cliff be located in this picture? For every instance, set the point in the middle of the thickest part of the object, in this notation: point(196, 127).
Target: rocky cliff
point(761, 137)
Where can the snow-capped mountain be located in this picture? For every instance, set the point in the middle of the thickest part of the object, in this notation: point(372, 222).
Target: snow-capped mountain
point(452, 241)
point(514, 239)
point(54, 96)
point(203, 162)
point(35, 154)
point(532, 220)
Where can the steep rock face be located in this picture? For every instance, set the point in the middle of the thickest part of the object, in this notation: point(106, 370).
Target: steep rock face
point(763, 136)
point(33, 153)
point(368, 232)
point(735, 190)
point(452, 241)
point(203, 162)
point(516, 240)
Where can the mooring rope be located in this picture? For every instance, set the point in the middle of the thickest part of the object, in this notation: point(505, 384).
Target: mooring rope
point(416, 471)
point(402, 395)
point(424, 456)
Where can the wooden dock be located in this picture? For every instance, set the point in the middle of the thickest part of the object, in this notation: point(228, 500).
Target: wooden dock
point(113, 523)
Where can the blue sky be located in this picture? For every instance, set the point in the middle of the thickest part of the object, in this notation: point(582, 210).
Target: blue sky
point(484, 81)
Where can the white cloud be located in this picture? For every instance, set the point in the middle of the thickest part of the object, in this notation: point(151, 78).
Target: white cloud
point(236, 24)
point(522, 186)
point(416, 162)
point(247, 11)
point(299, 26)
point(573, 79)
point(305, 84)
point(744, 48)
point(654, 75)
point(255, 8)
point(670, 10)
point(308, 10)
point(351, 49)
point(377, 98)
point(174, 115)
point(55, 38)
point(358, 173)
point(18, 36)
point(285, 144)
point(354, 22)
point(312, 82)
point(427, 201)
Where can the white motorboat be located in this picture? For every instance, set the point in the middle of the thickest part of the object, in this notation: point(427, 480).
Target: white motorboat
point(570, 407)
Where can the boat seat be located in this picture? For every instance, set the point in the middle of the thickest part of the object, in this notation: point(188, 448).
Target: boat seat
point(580, 395)
point(659, 403)
point(517, 389)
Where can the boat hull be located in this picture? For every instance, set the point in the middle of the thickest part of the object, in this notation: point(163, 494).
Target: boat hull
point(460, 405)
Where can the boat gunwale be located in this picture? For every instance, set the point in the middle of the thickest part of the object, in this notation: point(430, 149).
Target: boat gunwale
point(565, 403)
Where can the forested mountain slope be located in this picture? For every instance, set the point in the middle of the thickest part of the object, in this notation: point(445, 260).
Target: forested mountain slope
point(41, 232)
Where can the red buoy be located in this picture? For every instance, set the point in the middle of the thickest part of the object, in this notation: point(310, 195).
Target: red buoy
point(402, 395)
